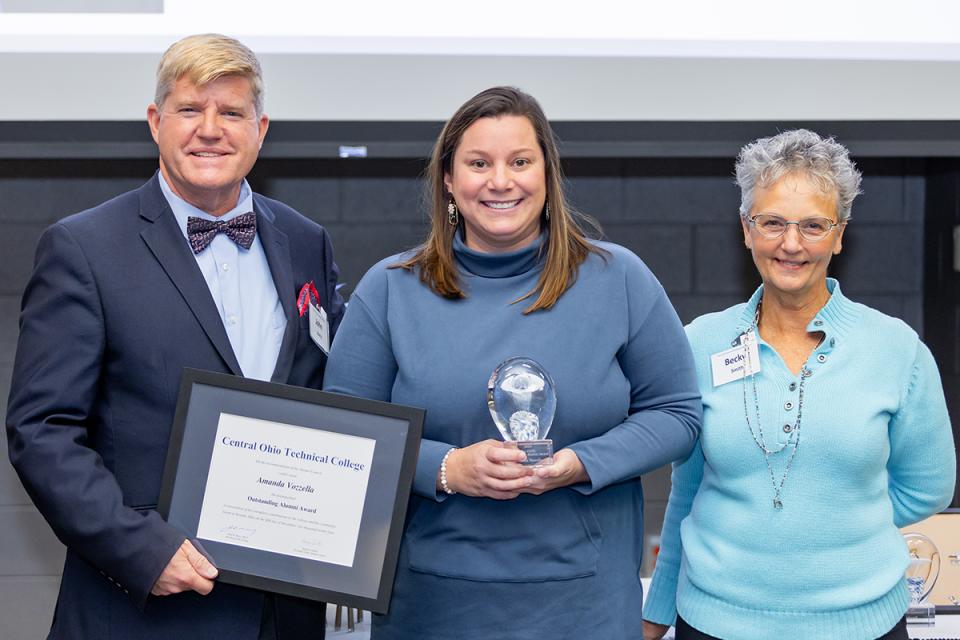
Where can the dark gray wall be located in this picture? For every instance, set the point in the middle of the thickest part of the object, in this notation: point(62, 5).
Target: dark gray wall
point(679, 214)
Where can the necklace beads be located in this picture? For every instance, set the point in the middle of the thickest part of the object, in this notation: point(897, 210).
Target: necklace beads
point(757, 434)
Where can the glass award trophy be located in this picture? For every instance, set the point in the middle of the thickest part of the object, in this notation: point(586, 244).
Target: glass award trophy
point(921, 575)
point(522, 400)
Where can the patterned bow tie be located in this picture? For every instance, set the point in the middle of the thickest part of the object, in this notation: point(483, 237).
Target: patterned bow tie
point(241, 230)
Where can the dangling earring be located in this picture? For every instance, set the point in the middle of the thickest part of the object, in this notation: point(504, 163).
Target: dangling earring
point(453, 216)
point(547, 213)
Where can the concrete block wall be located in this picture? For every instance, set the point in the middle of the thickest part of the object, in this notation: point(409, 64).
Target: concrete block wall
point(680, 215)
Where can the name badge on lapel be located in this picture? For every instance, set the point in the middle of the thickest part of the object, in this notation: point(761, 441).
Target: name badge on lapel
point(309, 298)
point(741, 360)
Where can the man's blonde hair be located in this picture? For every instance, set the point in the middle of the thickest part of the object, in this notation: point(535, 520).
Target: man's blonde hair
point(204, 58)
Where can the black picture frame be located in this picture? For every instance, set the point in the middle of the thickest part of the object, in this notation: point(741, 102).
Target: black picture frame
point(368, 582)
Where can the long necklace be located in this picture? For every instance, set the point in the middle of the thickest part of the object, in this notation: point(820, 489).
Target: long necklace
point(757, 434)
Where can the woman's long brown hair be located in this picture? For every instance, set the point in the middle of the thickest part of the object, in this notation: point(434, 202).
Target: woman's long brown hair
point(566, 242)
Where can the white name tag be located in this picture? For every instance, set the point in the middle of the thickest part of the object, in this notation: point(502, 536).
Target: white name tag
point(319, 327)
point(732, 364)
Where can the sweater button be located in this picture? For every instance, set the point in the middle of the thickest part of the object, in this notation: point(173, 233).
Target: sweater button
point(787, 428)
point(818, 323)
point(821, 358)
point(788, 405)
point(793, 386)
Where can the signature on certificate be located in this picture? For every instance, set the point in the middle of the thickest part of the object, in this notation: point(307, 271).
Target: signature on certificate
point(233, 532)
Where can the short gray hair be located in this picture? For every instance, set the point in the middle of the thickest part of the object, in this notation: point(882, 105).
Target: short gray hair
point(827, 162)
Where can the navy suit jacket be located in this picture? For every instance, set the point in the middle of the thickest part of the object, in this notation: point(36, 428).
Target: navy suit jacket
point(115, 309)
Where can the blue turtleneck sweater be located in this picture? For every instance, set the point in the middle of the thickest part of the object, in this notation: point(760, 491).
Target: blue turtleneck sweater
point(564, 563)
point(875, 453)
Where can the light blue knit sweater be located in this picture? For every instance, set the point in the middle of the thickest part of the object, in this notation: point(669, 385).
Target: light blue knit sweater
point(876, 453)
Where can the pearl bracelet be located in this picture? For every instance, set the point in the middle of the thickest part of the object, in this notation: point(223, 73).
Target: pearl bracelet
point(443, 473)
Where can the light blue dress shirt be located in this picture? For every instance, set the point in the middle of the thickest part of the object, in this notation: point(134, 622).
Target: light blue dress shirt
point(242, 287)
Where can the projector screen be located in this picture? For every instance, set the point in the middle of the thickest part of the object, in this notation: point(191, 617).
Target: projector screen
point(592, 60)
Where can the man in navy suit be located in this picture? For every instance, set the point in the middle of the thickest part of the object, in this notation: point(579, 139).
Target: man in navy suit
point(190, 270)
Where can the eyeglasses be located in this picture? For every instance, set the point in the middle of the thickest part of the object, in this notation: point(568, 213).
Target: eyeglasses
point(812, 229)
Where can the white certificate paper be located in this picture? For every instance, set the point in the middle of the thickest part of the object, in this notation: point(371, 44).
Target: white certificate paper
point(286, 489)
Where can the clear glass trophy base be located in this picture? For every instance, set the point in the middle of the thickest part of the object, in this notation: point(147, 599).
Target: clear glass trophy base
point(539, 452)
point(922, 614)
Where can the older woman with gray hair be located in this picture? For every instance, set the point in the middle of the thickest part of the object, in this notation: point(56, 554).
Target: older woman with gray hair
point(824, 430)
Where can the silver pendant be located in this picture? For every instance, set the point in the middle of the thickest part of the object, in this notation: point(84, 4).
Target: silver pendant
point(777, 504)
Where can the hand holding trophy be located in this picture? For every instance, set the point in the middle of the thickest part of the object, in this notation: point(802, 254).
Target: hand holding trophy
point(522, 400)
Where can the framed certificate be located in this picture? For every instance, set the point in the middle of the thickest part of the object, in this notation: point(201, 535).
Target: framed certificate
point(292, 490)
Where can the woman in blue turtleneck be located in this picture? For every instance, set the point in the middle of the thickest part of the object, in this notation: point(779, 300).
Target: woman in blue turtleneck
point(493, 548)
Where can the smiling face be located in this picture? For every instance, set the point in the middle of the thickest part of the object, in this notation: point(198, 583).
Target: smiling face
point(791, 267)
point(498, 180)
point(209, 137)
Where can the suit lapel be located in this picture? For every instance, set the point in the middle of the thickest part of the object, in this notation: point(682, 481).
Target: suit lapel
point(276, 246)
point(168, 245)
